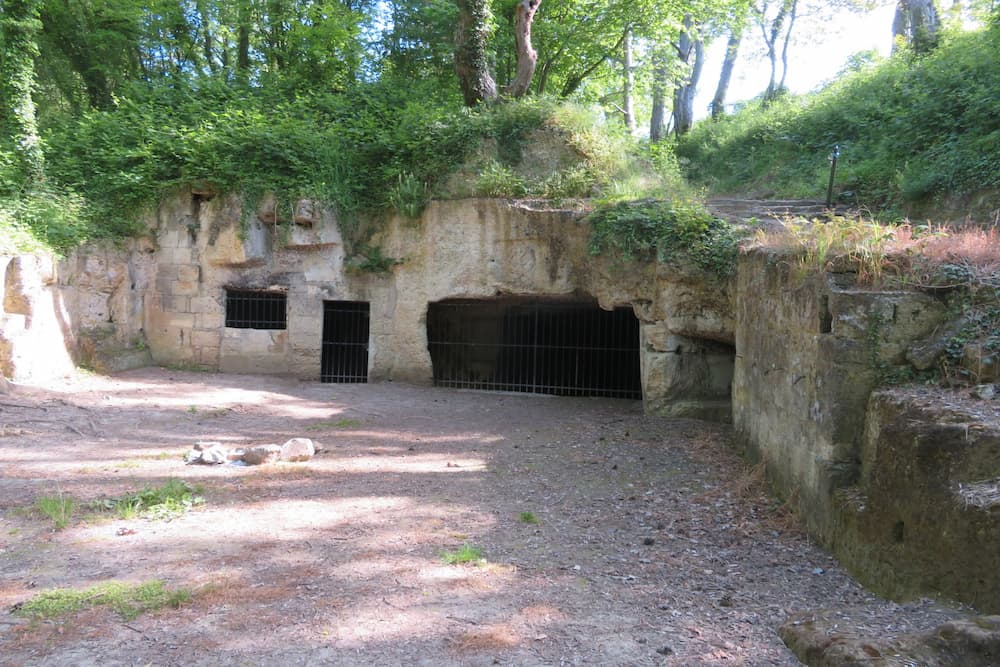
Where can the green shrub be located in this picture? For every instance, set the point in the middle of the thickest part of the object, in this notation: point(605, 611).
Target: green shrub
point(409, 196)
point(669, 231)
point(496, 180)
point(573, 182)
point(910, 130)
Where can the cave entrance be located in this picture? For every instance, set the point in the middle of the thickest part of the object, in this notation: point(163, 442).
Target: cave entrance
point(345, 341)
point(568, 348)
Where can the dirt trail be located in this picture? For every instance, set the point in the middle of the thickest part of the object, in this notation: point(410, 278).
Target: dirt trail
point(653, 545)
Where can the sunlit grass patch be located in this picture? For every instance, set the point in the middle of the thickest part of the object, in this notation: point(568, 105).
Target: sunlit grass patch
point(167, 501)
point(127, 600)
point(527, 517)
point(464, 555)
point(327, 425)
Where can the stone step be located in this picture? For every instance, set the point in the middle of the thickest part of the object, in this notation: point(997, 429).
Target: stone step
point(741, 210)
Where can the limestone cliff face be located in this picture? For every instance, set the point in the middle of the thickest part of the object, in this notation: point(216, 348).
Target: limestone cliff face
point(793, 361)
point(472, 248)
point(165, 295)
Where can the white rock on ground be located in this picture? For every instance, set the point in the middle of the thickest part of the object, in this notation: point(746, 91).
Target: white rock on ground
point(298, 449)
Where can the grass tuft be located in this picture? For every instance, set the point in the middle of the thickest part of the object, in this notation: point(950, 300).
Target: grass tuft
point(168, 501)
point(464, 554)
point(59, 508)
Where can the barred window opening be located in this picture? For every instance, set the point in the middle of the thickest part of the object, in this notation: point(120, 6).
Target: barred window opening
point(256, 309)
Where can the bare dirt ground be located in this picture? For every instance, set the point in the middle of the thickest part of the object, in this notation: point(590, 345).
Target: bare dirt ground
point(654, 545)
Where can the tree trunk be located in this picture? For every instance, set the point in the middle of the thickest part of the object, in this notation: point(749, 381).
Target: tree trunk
point(243, 41)
point(687, 46)
point(792, 14)
point(771, 33)
point(208, 46)
point(728, 63)
point(916, 23)
point(628, 82)
point(19, 28)
point(658, 115)
point(471, 61)
point(527, 57)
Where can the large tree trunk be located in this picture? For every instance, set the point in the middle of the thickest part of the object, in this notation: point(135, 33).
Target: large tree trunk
point(527, 57)
point(658, 115)
point(728, 63)
point(628, 81)
point(916, 23)
point(471, 61)
point(244, 20)
point(19, 28)
point(687, 47)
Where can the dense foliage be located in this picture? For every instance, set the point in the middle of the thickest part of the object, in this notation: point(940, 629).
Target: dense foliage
point(360, 152)
point(108, 105)
point(671, 231)
point(910, 130)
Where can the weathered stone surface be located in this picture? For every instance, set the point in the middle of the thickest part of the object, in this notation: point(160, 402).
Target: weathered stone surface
point(297, 449)
point(24, 280)
point(925, 518)
point(686, 377)
point(983, 365)
point(228, 241)
point(819, 639)
point(267, 209)
point(306, 213)
point(260, 454)
point(925, 354)
point(808, 356)
point(36, 332)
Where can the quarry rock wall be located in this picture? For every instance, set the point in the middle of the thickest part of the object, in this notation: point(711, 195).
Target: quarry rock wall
point(902, 485)
point(903, 492)
point(163, 298)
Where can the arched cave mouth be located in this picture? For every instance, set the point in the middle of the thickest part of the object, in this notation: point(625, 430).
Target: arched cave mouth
point(535, 345)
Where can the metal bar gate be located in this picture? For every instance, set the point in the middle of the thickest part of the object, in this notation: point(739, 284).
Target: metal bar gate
point(569, 349)
point(345, 342)
point(255, 309)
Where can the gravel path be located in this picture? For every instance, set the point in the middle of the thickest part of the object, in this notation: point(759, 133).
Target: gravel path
point(607, 537)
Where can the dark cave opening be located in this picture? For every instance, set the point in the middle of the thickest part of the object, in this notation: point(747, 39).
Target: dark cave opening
point(534, 345)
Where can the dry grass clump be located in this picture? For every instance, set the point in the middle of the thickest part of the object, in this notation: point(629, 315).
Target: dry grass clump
point(974, 247)
point(491, 637)
point(882, 253)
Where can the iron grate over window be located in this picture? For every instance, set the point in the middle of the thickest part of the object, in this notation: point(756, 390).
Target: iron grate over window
point(551, 347)
point(256, 309)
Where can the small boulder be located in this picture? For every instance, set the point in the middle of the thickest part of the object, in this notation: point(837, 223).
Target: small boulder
point(298, 449)
point(207, 453)
point(255, 456)
point(985, 392)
